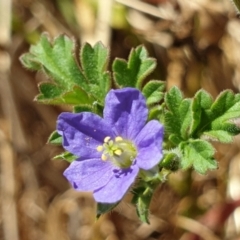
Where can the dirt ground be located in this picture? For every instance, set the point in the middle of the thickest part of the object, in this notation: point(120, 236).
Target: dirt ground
point(196, 44)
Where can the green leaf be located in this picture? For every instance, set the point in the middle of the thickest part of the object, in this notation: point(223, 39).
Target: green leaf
point(170, 161)
point(219, 135)
point(104, 208)
point(48, 91)
point(213, 120)
point(173, 99)
point(55, 138)
point(204, 99)
point(175, 139)
point(28, 60)
point(57, 60)
point(216, 120)
point(67, 156)
point(153, 91)
point(49, 94)
point(199, 154)
point(155, 112)
point(94, 62)
point(95, 108)
point(200, 116)
point(223, 103)
point(142, 199)
point(178, 116)
point(185, 114)
point(82, 108)
point(201, 104)
point(70, 84)
point(133, 72)
point(225, 108)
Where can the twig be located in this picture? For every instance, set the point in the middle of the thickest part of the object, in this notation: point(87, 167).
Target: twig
point(8, 204)
point(195, 227)
point(7, 184)
point(5, 22)
point(147, 8)
point(103, 28)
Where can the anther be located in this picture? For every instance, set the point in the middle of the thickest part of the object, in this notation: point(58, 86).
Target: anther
point(100, 148)
point(118, 139)
point(104, 157)
point(118, 152)
point(106, 139)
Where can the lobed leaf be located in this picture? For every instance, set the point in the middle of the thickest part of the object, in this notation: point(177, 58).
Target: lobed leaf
point(178, 116)
point(57, 60)
point(219, 135)
point(131, 73)
point(94, 62)
point(49, 94)
point(217, 121)
point(199, 154)
point(201, 104)
point(173, 99)
point(154, 91)
point(70, 84)
point(201, 116)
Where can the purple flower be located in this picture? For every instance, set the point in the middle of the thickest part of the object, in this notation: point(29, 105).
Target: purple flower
point(111, 149)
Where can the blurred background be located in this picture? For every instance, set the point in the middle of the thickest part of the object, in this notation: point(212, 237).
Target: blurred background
point(196, 44)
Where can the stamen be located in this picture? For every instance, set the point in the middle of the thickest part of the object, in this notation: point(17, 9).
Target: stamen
point(104, 157)
point(118, 139)
point(118, 152)
point(100, 148)
point(106, 139)
point(110, 143)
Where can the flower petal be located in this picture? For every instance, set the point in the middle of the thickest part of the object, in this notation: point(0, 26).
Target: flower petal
point(82, 133)
point(89, 175)
point(149, 145)
point(118, 185)
point(126, 110)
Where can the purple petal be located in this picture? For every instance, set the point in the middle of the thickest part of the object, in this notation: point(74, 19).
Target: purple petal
point(82, 133)
point(89, 175)
point(125, 109)
point(118, 185)
point(149, 145)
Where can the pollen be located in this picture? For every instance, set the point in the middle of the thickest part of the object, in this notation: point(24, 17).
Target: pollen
point(106, 139)
point(118, 152)
point(104, 157)
point(118, 139)
point(100, 148)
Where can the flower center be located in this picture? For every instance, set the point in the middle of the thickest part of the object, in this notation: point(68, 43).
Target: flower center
point(119, 151)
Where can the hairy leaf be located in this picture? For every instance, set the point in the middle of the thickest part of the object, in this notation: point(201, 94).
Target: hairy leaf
point(131, 73)
point(66, 156)
point(153, 91)
point(142, 199)
point(198, 154)
point(70, 84)
point(55, 138)
point(104, 208)
point(94, 62)
point(217, 121)
point(178, 117)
